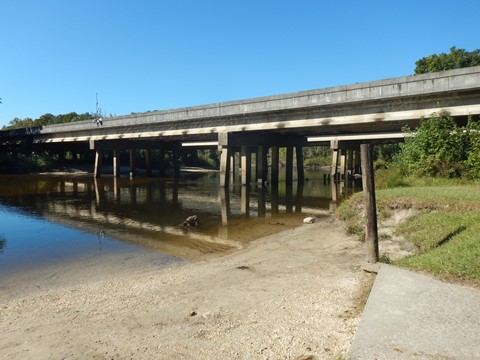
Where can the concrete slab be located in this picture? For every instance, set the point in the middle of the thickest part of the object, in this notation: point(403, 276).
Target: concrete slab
point(413, 316)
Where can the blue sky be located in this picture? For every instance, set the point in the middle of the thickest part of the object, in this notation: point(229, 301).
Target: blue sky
point(147, 55)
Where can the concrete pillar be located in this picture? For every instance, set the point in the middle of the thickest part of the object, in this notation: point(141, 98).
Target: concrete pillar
point(224, 195)
point(98, 163)
point(246, 163)
point(357, 161)
point(224, 167)
point(176, 163)
point(245, 200)
point(335, 155)
point(233, 169)
point(116, 163)
point(262, 206)
point(289, 166)
point(148, 162)
point(274, 199)
point(161, 164)
point(299, 198)
point(275, 165)
point(350, 169)
point(300, 169)
point(343, 165)
point(261, 165)
point(133, 166)
point(116, 189)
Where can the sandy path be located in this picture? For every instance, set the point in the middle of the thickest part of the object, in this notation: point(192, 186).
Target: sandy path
point(286, 296)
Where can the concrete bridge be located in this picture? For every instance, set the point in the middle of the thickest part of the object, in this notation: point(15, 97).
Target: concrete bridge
point(342, 117)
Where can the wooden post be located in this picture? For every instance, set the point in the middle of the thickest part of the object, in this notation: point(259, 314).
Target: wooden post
point(371, 233)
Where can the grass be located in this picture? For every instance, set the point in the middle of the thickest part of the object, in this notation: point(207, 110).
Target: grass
point(446, 228)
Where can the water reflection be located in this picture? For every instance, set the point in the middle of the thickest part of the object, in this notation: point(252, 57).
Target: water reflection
point(146, 212)
point(2, 243)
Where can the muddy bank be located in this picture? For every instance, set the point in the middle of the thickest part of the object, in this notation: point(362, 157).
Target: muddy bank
point(286, 296)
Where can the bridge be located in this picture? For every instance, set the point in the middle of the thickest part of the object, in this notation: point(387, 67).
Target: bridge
point(342, 117)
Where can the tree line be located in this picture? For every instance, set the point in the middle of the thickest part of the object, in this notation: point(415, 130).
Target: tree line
point(48, 119)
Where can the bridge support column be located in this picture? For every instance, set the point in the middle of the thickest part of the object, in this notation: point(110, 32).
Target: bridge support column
point(343, 165)
point(161, 165)
point(357, 161)
point(300, 169)
point(335, 155)
point(133, 169)
point(350, 169)
point(275, 165)
point(148, 162)
point(98, 163)
point(233, 167)
point(289, 166)
point(224, 166)
point(176, 164)
point(261, 165)
point(246, 164)
point(116, 163)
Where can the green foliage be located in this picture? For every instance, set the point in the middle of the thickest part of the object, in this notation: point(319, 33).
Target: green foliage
point(21, 163)
point(47, 119)
point(316, 156)
point(456, 59)
point(473, 159)
point(437, 148)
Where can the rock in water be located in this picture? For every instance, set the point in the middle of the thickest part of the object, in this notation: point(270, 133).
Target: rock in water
point(190, 221)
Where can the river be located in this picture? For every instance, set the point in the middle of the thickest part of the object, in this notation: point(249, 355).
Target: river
point(49, 220)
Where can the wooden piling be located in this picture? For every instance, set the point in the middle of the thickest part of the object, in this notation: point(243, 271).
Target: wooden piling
point(371, 229)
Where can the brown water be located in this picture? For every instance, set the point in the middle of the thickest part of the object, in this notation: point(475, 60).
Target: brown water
point(62, 219)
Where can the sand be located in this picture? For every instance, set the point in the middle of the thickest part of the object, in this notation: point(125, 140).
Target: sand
point(286, 296)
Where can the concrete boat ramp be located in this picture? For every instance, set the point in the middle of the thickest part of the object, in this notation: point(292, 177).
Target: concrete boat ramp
point(412, 316)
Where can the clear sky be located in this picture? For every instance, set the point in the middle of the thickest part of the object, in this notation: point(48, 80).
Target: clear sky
point(144, 55)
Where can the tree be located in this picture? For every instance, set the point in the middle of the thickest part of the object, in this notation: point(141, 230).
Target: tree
point(456, 59)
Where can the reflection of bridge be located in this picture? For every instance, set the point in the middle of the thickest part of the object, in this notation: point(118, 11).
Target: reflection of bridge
point(340, 116)
point(91, 204)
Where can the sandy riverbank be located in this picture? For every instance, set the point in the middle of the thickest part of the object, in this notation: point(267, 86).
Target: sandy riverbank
point(285, 296)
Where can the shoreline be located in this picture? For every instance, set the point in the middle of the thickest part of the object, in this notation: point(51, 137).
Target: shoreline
point(288, 295)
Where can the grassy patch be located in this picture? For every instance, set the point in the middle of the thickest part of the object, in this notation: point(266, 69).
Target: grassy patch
point(446, 228)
